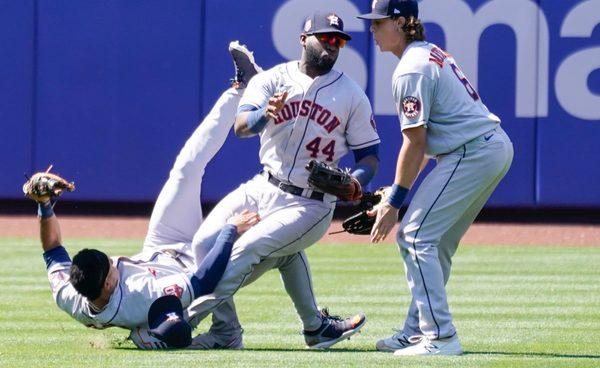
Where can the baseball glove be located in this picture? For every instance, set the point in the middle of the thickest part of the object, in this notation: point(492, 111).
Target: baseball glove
point(361, 223)
point(43, 186)
point(332, 180)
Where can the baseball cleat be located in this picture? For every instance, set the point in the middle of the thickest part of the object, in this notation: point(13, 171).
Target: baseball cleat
point(210, 340)
point(399, 340)
point(425, 346)
point(245, 66)
point(333, 329)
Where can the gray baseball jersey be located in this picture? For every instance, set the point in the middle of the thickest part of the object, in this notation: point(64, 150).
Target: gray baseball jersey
point(322, 119)
point(430, 90)
point(142, 280)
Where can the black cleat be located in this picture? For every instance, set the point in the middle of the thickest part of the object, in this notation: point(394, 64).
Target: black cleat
point(333, 329)
point(245, 66)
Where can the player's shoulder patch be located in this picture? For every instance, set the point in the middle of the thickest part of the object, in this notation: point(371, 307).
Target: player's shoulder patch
point(411, 107)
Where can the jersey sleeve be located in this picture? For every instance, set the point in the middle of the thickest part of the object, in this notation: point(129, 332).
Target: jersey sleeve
point(413, 95)
point(361, 130)
point(261, 87)
point(58, 265)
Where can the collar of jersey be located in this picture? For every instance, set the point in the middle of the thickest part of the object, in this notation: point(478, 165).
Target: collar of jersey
point(411, 45)
point(112, 308)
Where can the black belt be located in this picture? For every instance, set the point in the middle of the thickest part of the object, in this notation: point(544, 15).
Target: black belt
point(292, 189)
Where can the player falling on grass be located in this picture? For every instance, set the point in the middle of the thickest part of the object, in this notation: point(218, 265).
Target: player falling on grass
point(442, 116)
point(151, 292)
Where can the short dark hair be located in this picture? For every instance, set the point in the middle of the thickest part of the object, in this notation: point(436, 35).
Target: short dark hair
point(88, 272)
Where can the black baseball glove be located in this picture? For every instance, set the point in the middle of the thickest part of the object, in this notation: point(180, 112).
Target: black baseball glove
point(332, 180)
point(361, 223)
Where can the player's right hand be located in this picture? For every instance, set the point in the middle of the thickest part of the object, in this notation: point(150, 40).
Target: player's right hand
point(244, 221)
point(276, 103)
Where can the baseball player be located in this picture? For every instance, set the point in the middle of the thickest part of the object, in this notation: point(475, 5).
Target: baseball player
point(302, 110)
point(441, 116)
point(132, 284)
point(103, 292)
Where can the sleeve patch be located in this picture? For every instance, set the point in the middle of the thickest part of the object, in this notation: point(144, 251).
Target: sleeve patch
point(411, 106)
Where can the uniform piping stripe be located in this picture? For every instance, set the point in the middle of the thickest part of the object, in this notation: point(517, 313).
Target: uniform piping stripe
point(307, 122)
point(417, 234)
point(297, 116)
point(267, 256)
point(310, 286)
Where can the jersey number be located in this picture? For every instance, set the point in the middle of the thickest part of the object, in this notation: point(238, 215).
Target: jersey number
point(461, 76)
point(315, 146)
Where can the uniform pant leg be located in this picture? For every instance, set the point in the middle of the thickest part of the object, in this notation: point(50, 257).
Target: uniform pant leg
point(281, 233)
point(296, 277)
point(444, 197)
point(447, 248)
point(235, 202)
point(177, 213)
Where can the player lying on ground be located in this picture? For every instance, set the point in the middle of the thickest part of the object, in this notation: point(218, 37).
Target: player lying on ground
point(302, 110)
point(442, 116)
point(99, 291)
point(123, 293)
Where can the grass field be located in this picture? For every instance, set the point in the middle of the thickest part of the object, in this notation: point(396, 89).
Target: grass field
point(513, 307)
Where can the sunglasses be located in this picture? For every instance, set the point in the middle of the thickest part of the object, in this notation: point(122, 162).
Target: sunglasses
point(331, 39)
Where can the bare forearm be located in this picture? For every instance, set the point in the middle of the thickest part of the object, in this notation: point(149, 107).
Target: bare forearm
point(50, 233)
point(411, 159)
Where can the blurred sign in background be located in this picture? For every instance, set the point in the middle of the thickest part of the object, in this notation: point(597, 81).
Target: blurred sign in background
point(108, 91)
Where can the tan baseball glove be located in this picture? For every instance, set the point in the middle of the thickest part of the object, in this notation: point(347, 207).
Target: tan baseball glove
point(44, 186)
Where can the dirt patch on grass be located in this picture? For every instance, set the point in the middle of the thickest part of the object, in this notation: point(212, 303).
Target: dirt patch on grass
point(478, 234)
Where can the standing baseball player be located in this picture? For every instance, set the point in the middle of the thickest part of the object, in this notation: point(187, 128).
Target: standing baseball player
point(303, 110)
point(441, 116)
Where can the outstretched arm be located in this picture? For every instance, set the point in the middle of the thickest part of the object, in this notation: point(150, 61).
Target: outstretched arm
point(213, 266)
point(49, 227)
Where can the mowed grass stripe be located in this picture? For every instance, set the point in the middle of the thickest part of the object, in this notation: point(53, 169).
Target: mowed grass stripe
point(513, 306)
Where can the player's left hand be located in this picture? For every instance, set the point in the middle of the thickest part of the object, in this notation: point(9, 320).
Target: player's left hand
point(276, 104)
point(43, 186)
point(387, 216)
point(244, 221)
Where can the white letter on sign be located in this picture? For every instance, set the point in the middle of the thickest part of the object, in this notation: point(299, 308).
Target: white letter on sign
point(571, 84)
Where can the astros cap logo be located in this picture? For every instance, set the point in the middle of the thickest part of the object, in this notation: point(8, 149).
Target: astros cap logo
point(334, 20)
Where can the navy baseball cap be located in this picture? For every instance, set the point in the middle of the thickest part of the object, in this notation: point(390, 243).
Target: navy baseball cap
point(165, 319)
point(382, 9)
point(321, 22)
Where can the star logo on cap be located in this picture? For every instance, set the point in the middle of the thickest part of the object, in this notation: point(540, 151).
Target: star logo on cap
point(172, 317)
point(374, 4)
point(334, 20)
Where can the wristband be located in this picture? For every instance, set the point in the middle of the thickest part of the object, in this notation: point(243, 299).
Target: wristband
point(363, 173)
point(397, 196)
point(45, 210)
point(257, 120)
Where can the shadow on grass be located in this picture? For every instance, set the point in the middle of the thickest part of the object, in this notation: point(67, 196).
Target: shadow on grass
point(547, 355)
point(309, 350)
point(266, 349)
